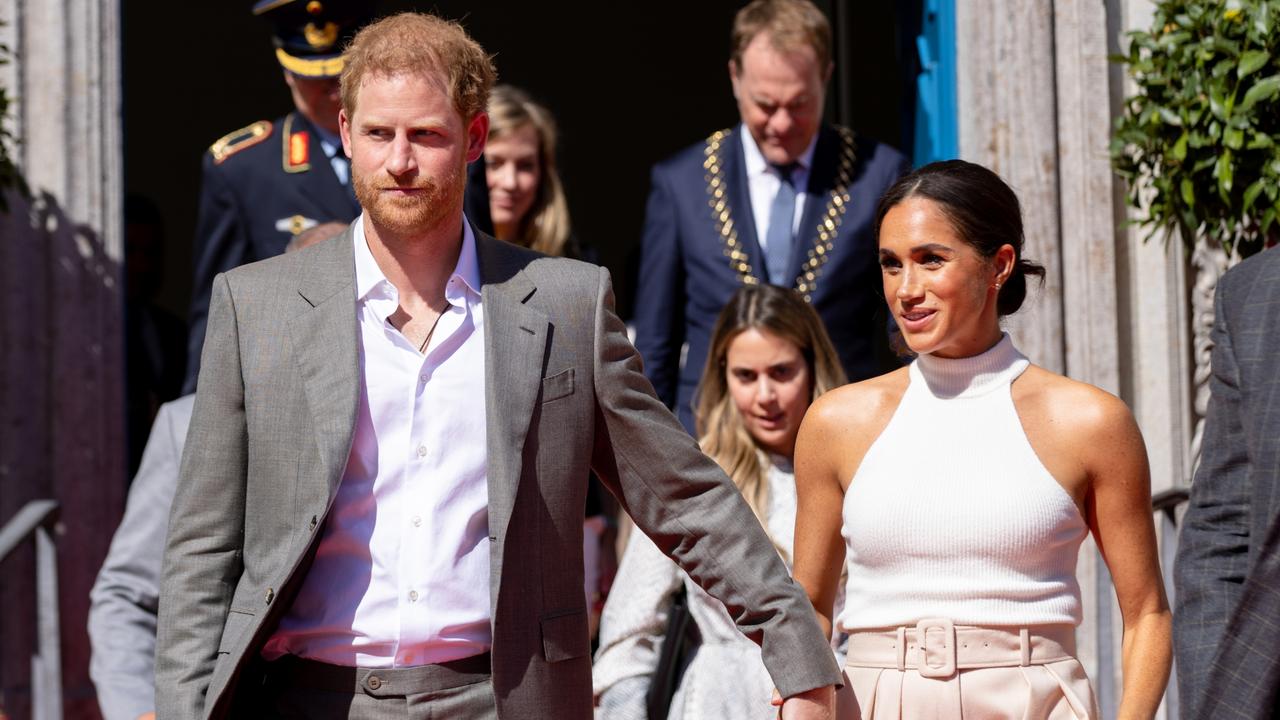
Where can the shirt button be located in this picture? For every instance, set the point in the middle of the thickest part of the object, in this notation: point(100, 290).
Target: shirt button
point(422, 451)
point(417, 521)
point(423, 377)
point(413, 596)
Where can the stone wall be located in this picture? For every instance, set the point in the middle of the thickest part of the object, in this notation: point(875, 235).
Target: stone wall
point(61, 334)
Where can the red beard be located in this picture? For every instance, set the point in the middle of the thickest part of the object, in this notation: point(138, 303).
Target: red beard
point(422, 211)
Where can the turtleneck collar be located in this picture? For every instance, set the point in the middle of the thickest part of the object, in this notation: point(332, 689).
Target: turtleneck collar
point(971, 376)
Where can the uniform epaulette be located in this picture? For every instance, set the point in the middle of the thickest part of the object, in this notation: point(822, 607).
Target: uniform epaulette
point(234, 142)
point(297, 148)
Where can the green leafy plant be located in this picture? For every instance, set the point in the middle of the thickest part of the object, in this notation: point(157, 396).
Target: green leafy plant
point(1199, 142)
point(10, 178)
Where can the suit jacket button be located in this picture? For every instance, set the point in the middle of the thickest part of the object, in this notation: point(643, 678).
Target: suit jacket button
point(271, 595)
point(313, 522)
point(374, 682)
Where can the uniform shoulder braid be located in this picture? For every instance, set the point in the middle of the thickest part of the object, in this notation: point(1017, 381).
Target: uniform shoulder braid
point(234, 142)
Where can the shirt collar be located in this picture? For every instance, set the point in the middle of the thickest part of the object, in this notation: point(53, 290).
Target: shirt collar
point(370, 279)
point(756, 164)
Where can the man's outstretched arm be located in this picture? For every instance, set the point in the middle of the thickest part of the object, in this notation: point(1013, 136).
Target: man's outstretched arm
point(691, 510)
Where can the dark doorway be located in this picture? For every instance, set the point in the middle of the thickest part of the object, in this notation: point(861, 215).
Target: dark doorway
point(629, 84)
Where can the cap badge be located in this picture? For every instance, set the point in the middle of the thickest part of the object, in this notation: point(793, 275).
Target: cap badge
point(321, 37)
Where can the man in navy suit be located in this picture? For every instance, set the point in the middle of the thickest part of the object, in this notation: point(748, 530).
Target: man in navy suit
point(268, 182)
point(781, 198)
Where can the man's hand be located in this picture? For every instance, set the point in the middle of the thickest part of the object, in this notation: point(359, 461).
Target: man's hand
point(816, 704)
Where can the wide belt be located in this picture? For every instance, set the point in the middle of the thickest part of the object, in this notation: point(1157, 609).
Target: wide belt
point(937, 648)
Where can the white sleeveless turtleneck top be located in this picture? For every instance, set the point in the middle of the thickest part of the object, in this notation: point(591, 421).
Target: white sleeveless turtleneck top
point(951, 514)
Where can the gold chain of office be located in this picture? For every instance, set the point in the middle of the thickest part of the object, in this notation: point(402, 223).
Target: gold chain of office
point(837, 203)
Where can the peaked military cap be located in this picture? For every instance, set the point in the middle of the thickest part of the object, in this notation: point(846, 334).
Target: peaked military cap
point(311, 34)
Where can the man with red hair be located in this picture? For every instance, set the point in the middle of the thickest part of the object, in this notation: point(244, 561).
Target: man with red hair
point(380, 507)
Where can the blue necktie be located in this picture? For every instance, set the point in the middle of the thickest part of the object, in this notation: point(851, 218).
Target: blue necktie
point(781, 217)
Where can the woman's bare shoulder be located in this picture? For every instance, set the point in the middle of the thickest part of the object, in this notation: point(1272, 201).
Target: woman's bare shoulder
point(1077, 408)
point(842, 425)
point(858, 407)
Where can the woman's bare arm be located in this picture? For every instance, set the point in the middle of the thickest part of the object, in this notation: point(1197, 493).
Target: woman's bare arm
point(836, 433)
point(819, 549)
point(1120, 517)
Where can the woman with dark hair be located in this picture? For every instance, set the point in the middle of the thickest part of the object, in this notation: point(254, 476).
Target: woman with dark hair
point(956, 492)
point(770, 357)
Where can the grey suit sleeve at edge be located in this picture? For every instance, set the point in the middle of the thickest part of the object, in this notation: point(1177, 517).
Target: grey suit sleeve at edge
point(202, 554)
point(690, 509)
point(124, 599)
point(1245, 672)
point(1213, 544)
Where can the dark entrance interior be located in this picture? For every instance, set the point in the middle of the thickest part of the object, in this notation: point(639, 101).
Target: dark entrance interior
point(629, 84)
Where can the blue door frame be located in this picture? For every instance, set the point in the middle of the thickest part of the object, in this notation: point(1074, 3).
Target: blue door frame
point(935, 117)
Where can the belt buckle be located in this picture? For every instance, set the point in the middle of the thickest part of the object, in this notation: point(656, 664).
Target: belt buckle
point(936, 662)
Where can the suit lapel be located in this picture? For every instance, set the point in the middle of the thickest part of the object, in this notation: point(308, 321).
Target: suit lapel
point(515, 345)
point(326, 346)
point(822, 178)
point(735, 174)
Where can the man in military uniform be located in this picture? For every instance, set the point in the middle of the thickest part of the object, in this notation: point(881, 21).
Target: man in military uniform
point(270, 181)
point(781, 198)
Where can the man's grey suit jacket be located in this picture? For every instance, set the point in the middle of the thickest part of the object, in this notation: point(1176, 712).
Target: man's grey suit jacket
point(564, 394)
point(1227, 577)
point(125, 598)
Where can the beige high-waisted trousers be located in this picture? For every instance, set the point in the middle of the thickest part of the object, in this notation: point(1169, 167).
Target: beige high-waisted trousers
point(937, 670)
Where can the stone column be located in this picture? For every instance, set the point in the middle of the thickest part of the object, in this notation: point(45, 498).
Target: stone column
point(61, 321)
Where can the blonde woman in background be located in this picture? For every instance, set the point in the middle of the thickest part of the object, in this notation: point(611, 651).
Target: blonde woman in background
point(526, 198)
point(770, 358)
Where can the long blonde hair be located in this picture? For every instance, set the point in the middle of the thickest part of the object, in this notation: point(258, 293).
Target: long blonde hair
point(721, 431)
point(545, 227)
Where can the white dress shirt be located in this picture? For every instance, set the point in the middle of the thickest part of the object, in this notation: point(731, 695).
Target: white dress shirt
point(763, 182)
point(401, 575)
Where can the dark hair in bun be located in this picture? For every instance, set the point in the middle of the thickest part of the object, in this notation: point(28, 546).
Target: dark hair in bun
point(983, 210)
